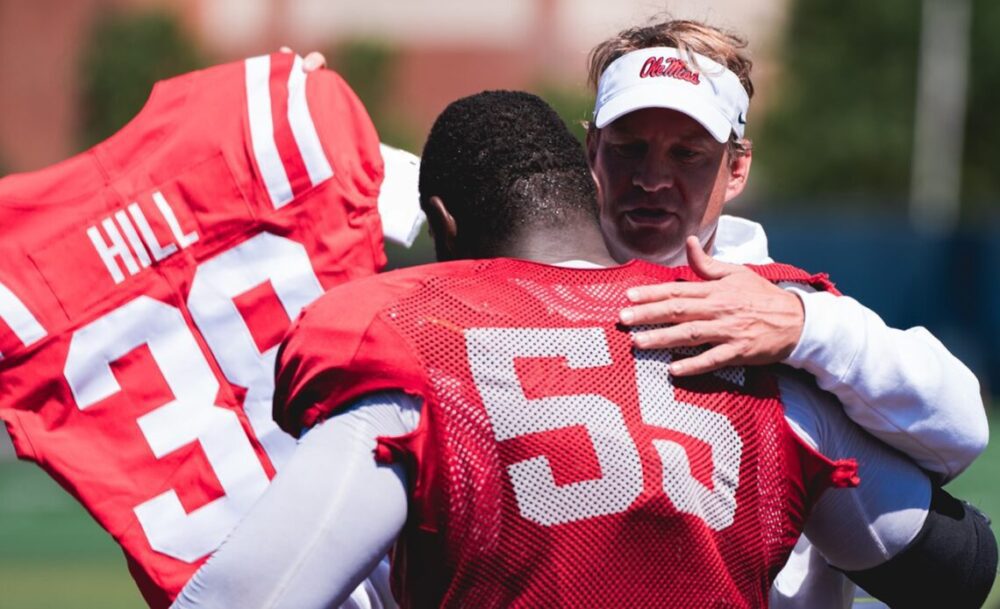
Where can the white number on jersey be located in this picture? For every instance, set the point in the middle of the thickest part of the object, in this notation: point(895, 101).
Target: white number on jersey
point(19, 319)
point(492, 353)
point(217, 282)
point(192, 415)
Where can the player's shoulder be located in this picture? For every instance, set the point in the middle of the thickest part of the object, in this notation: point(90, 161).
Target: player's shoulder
point(362, 299)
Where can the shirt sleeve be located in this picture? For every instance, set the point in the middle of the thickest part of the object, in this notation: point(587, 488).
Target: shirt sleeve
point(903, 386)
point(399, 196)
point(866, 525)
point(326, 521)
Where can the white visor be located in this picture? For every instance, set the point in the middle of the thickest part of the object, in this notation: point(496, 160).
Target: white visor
point(663, 77)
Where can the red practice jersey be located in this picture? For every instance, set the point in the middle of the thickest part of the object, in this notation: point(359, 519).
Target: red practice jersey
point(146, 283)
point(553, 464)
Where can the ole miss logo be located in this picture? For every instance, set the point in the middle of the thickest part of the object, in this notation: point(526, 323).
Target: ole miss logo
point(672, 67)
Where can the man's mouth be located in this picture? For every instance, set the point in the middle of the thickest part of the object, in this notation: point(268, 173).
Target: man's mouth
point(649, 217)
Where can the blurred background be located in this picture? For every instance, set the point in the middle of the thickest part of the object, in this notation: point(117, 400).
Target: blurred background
point(875, 125)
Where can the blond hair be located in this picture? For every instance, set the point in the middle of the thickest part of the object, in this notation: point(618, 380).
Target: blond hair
point(724, 47)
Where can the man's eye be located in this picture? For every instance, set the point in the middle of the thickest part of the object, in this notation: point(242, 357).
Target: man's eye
point(627, 151)
point(682, 153)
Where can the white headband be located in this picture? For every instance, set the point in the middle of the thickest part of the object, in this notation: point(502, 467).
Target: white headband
point(661, 77)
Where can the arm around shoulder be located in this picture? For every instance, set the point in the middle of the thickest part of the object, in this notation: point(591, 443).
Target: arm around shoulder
point(903, 386)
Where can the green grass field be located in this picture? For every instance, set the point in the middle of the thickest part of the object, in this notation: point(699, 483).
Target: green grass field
point(53, 556)
point(980, 486)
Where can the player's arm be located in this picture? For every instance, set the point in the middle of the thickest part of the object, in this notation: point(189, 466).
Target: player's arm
point(325, 522)
point(903, 539)
point(903, 386)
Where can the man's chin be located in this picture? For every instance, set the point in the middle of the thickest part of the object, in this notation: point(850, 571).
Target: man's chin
point(659, 249)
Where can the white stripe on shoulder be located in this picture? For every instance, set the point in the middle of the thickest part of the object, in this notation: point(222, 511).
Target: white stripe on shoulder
point(303, 127)
point(265, 149)
point(19, 318)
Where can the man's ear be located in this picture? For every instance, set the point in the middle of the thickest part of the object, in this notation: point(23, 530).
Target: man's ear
point(739, 173)
point(444, 229)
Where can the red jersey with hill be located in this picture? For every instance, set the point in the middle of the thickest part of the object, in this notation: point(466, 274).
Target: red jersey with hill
point(146, 283)
point(553, 464)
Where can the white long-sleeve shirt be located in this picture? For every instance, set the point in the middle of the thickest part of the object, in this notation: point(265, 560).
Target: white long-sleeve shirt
point(903, 386)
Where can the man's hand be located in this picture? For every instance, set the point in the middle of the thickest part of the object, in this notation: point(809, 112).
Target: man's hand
point(748, 319)
point(311, 62)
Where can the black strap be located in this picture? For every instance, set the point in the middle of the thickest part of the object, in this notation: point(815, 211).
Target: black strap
point(951, 563)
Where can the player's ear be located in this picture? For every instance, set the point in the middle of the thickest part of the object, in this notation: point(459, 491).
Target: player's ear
point(443, 227)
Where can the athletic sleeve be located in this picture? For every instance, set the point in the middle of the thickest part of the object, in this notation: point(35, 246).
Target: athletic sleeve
point(877, 531)
point(335, 355)
point(325, 522)
point(903, 386)
point(864, 526)
point(399, 196)
point(860, 526)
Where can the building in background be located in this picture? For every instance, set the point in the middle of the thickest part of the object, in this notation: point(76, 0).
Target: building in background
point(835, 156)
point(442, 49)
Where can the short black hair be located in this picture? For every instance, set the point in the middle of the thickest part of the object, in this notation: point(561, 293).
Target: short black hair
point(503, 161)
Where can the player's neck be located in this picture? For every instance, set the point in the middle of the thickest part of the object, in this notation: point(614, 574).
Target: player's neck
point(552, 245)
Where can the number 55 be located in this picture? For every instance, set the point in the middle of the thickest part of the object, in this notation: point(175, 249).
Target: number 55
point(492, 352)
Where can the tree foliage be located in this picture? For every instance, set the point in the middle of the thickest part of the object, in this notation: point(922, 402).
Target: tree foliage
point(840, 127)
point(574, 104)
point(368, 66)
point(125, 54)
point(981, 178)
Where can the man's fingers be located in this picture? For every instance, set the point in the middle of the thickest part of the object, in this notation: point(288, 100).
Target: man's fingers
point(714, 359)
point(704, 265)
point(284, 49)
point(670, 311)
point(313, 61)
point(690, 334)
point(664, 291)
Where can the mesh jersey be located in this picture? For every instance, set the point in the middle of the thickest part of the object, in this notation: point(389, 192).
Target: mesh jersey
point(553, 465)
point(145, 284)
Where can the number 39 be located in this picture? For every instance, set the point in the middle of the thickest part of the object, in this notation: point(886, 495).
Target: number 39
point(492, 352)
point(192, 415)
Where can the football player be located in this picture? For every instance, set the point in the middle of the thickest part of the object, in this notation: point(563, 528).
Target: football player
point(491, 419)
point(145, 284)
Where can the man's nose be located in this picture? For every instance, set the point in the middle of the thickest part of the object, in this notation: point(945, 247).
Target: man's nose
point(653, 173)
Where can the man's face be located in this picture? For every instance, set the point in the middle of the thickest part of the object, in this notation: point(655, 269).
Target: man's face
point(661, 177)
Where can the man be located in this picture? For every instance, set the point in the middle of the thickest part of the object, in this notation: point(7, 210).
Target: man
point(539, 470)
point(668, 151)
point(662, 177)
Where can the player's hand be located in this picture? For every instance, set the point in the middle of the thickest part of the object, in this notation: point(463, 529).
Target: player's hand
point(311, 62)
point(747, 319)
